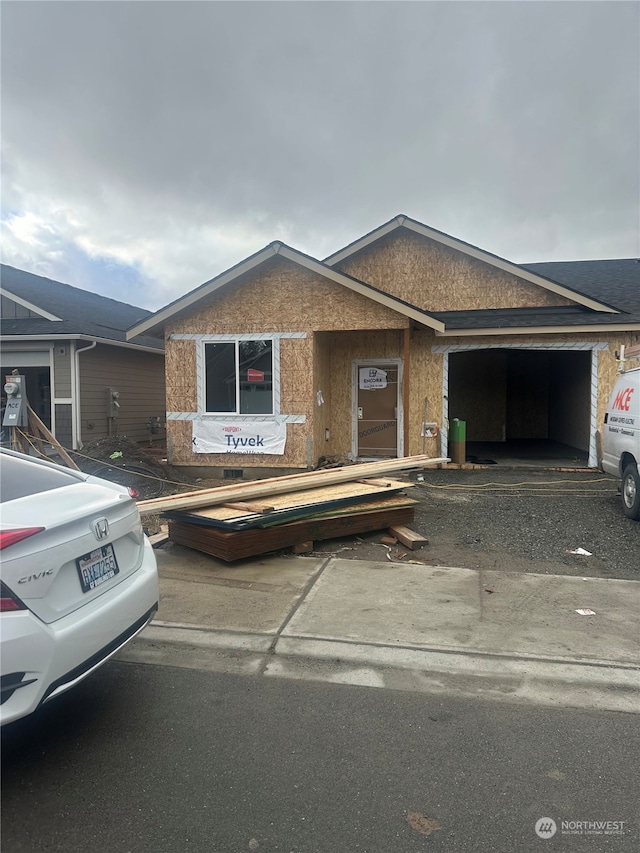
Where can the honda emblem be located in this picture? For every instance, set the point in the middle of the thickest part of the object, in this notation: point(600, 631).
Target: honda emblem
point(101, 528)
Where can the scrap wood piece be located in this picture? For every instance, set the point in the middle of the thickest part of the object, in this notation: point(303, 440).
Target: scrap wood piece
point(267, 488)
point(409, 538)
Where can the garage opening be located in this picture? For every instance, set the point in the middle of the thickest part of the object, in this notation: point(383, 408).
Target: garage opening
point(523, 405)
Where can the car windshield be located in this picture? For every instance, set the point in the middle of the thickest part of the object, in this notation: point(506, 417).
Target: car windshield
point(20, 478)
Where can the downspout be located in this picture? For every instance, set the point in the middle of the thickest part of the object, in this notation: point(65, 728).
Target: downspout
point(77, 440)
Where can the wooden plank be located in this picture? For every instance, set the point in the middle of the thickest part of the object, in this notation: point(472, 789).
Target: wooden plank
point(290, 507)
point(286, 485)
point(409, 538)
point(237, 545)
point(249, 507)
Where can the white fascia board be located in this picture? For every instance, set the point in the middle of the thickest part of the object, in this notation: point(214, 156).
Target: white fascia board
point(209, 287)
point(471, 251)
point(541, 330)
point(363, 289)
point(507, 266)
point(67, 337)
point(296, 257)
point(28, 305)
point(365, 241)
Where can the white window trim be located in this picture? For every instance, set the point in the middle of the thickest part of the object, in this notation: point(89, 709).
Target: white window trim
point(201, 376)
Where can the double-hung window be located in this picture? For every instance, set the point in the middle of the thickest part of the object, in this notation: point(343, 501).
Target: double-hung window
point(238, 377)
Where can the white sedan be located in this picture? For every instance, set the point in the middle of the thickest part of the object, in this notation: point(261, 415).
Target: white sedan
point(78, 578)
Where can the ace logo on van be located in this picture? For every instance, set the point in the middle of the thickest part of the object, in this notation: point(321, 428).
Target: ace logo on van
point(622, 401)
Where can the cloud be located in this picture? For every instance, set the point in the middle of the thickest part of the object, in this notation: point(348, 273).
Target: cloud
point(174, 139)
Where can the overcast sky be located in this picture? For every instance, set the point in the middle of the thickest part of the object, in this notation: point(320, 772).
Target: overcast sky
point(148, 146)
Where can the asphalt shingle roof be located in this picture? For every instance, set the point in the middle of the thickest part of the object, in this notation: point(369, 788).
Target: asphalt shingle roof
point(81, 312)
point(612, 282)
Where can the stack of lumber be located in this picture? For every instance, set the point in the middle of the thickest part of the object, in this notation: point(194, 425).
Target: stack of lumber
point(250, 518)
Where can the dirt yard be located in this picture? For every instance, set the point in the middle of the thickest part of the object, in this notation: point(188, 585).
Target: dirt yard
point(516, 520)
point(511, 519)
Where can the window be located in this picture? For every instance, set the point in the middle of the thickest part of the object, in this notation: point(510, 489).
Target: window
point(239, 377)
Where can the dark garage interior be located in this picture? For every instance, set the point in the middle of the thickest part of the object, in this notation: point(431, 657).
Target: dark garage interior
point(523, 404)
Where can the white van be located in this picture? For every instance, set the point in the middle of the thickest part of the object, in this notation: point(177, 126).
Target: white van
point(621, 439)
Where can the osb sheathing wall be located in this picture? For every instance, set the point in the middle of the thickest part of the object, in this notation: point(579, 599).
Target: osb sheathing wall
point(323, 409)
point(278, 297)
point(436, 278)
point(344, 349)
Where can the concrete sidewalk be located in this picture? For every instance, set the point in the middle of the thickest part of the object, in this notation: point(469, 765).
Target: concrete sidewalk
point(413, 627)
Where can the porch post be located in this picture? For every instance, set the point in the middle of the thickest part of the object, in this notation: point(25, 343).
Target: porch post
point(405, 387)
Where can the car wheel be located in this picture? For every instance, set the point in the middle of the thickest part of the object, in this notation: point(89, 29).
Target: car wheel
point(631, 491)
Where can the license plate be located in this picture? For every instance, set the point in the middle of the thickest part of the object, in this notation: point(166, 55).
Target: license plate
point(97, 567)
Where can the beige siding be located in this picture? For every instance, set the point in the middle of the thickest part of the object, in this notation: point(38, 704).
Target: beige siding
point(11, 310)
point(62, 366)
point(138, 376)
point(436, 278)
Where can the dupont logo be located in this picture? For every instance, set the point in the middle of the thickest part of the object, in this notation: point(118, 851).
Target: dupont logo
point(101, 528)
point(546, 827)
point(232, 429)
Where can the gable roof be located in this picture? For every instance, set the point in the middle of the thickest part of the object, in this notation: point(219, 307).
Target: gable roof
point(306, 261)
point(66, 311)
point(605, 294)
point(528, 274)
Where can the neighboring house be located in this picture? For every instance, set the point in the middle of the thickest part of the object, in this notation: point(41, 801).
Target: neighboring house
point(284, 358)
point(72, 349)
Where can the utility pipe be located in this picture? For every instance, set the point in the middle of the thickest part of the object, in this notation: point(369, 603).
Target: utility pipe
point(77, 438)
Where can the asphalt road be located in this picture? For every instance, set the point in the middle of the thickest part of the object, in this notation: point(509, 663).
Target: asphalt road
point(517, 520)
point(144, 759)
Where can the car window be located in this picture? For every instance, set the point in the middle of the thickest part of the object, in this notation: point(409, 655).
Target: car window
point(20, 478)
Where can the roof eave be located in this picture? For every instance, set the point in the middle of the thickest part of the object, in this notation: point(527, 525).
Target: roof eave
point(158, 320)
point(363, 289)
point(43, 339)
point(161, 317)
point(540, 330)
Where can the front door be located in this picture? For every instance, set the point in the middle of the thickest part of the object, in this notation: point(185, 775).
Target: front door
point(377, 408)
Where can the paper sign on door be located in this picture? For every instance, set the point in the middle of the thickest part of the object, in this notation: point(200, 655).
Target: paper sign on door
point(372, 378)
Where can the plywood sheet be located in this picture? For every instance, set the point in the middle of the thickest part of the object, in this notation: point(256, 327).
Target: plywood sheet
point(236, 545)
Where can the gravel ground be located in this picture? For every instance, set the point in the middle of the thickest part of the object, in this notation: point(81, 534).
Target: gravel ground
point(516, 520)
point(509, 519)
